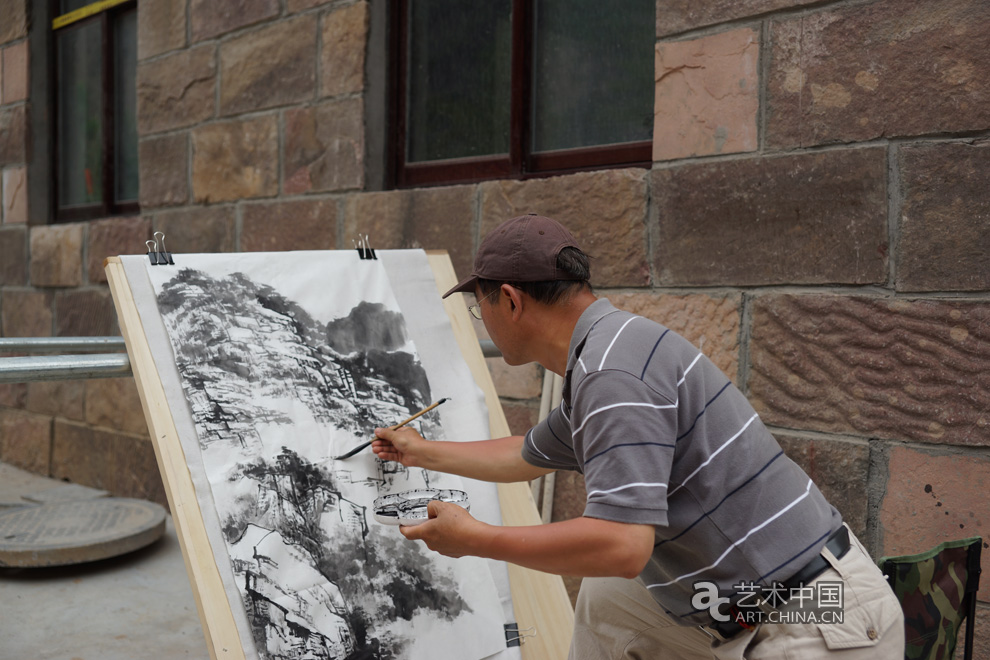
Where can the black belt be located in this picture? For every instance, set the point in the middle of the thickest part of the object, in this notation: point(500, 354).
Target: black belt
point(837, 543)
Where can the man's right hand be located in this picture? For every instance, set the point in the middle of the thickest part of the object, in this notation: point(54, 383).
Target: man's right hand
point(400, 445)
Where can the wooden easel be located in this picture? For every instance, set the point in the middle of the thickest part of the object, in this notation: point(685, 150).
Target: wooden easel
point(539, 600)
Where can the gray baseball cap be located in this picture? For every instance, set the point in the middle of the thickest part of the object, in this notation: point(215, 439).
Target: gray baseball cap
point(523, 249)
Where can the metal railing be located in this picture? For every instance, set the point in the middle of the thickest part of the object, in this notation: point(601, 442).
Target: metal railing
point(74, 362)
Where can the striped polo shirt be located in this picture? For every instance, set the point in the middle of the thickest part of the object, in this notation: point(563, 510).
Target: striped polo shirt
point(664, 438)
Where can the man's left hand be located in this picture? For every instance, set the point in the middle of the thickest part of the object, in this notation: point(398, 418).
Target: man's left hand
point(450, 530)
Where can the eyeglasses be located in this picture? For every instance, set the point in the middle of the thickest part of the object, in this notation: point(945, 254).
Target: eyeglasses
point(475, 309)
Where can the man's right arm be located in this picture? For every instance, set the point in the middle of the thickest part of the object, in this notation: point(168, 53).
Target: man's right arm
point(498, 460)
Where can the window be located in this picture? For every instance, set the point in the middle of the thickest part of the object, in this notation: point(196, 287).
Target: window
point(95, 122)
point(517, 88)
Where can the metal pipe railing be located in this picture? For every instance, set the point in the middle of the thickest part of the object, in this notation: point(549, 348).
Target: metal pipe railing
point(61, 344)
point(63, 367)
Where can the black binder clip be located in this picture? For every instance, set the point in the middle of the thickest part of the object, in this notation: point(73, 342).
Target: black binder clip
point(159, 256)
point(514, 635)
point(365, 251)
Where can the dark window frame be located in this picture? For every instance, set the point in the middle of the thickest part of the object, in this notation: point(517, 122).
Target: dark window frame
point(520, 163)
point(108, 207)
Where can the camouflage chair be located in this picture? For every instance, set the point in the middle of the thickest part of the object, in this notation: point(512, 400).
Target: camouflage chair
point(937, 590)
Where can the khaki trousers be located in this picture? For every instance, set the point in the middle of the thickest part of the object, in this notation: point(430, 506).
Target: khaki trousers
point(617, 619)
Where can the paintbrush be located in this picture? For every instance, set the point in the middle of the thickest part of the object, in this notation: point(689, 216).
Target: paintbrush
point(399, 425)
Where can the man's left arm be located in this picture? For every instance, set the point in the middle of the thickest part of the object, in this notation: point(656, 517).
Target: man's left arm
point(585, 547)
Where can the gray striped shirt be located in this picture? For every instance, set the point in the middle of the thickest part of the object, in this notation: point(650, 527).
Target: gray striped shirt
point(664, 438)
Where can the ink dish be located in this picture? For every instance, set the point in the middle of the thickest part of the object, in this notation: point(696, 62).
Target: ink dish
point(410, 507)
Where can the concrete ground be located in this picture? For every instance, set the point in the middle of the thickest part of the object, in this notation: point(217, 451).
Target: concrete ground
point(138, 605)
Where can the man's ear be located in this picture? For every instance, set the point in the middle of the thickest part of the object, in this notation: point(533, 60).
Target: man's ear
point(515, 297)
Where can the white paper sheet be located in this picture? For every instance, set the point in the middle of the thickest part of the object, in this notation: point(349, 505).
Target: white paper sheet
point(273, 363)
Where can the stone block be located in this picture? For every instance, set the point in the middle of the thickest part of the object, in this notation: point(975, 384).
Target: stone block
point(569, 495)
point(113, 237)
point(840, 469)
point(13, 255)
point(520, 415)
point(56, 255)
point(293, 6)
point(14, 24)
point(428, 218)
point(324, 147)
point(27, 313)
point(208, 18)
point(235, 160)
point(83, 455)
point(524, 382)
point(943, 242)
point(161, 27)
point(15, 72)
point(164, 170)
point(933, 497)
point(303, 224)
point(13, 395)
point(85, 313)
point(606, 212)
point(15, 196)
point(137, 474)
point(709, 322)
point(706, 95)
point(114, 403)
point(879, 70)
point(25, 440)
point(13, 135)
point(56, 398)
point(122, 464)
point(176, 90)
point(675, 16)
point(911, 370)
point(345, 37)
point(285, 74)
point(197, 229)
point(817, 218)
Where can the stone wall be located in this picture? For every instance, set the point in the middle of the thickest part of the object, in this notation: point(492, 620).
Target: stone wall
point(52, 284)
point(814, 219)
point(826, 163)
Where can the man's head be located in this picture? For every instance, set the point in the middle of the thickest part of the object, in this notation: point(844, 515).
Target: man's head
point(534, 254)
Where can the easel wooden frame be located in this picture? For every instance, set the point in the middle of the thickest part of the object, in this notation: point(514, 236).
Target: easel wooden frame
point(539, 599)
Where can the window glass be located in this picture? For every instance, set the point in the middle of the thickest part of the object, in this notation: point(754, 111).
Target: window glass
point(459, 79)
point(80, 114)
point(125, 112)
point(592, 73)
point(95, 115)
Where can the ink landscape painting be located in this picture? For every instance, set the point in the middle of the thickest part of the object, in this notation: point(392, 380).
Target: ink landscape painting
point(284, 362)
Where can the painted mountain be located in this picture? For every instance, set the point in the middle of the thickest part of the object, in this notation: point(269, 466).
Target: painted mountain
point(267, 384)
point(239, 344)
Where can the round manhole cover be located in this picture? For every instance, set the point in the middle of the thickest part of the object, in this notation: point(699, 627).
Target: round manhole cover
point(62, 533)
